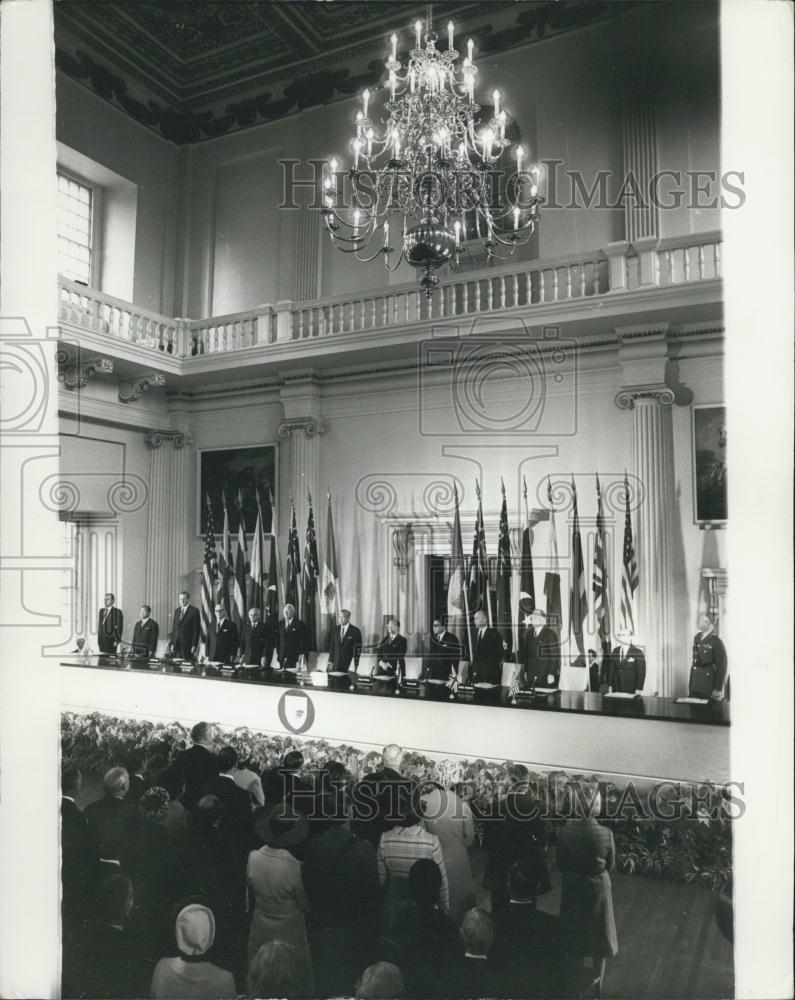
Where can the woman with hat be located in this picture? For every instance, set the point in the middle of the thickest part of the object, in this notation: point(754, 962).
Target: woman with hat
point(276, 884)
point(190, 976)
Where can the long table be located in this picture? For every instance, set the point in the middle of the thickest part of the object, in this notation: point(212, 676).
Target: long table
point(653, 738)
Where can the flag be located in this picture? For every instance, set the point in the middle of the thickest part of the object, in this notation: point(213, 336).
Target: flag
point(629, 571)
point(552, 575)
point(226, 569)
point(272, 597)
point(239, 607)
point(578, 594)
point(275, 533)
point(599, 587)
point(478, 566)
point(293, 565)
point(309, 580)
point(209, 576)
point(513, 690)
point(256, 596)
point(504, 573)
point(527, 587)
point(457, 598)
point(330, 582)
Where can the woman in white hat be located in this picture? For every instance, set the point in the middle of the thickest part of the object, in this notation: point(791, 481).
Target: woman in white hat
point(190, 976)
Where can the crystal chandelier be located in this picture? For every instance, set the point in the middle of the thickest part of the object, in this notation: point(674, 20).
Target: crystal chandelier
point(429, 170)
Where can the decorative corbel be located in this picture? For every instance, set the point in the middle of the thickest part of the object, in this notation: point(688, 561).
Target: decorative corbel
point(73, 376)
point(130, 391)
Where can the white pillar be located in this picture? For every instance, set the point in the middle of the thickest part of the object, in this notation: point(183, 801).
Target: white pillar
point(33, 599)
point(170, 522)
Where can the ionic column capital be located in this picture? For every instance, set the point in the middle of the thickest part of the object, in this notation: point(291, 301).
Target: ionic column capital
point(310, 426)
point(155, 439)
point(629, 395)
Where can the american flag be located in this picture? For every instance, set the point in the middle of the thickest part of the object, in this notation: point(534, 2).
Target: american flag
point(209, 575)
point(504, 574)
point(578, 594)
point(629, 573)
point(599, 587)
point(309, 580)
point(478, 565)
point(226, 567)
point(239, 587)
point(514, 688)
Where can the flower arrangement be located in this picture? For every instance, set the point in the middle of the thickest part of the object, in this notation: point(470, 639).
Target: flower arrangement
point(687, 839)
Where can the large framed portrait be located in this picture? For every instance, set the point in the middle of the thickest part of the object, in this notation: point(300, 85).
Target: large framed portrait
point(709, 465)
point(235, 472)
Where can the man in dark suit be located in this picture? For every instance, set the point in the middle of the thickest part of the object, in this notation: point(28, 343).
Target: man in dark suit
point(145, 634)
point(539, 651)
point(627, 669)
point(79, 857)
point(375, 797)
point(235, 802)
point(478, 974)
point(292, 639)
point(196, 765)
point(109, 626)
point(257, 643)
point(346, 644)
point(391, 651)
point(109, 817)
point(445, 650)
point(224, 640)
point(185, 628)
point(597, 673)
point(486, 665)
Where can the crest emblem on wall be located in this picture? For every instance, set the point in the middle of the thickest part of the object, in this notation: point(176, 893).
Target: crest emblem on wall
point(296, 711)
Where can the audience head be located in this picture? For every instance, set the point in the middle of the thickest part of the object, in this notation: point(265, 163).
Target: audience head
point(194, 930)
point(116, 899)
point(393, 756)
point(227, 759)
point(173, 782)
point(116, 782)
point(477, 931)
point(381, 981)
point(281, 827)
point(153, 804)
point(81, 641)
point(293, 761)
point(537, 618)
point(334, 774)
point(201, 733)
point(591, 654)
point(135, 764)
point(425, 882)
point(277, 971)
point(71, 781)
point(208, 812)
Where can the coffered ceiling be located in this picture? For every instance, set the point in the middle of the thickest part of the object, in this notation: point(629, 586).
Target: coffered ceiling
point(196, 69)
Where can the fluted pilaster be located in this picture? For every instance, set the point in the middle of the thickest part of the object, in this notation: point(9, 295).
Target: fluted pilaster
point(303, 435)
point(170, 522)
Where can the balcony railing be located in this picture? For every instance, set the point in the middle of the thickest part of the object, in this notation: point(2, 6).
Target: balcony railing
point(619, 269)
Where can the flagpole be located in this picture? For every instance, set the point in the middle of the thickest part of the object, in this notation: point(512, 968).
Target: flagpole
point(275, 542)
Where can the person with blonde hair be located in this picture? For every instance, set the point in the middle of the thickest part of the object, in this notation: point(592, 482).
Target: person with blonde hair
point(109, 817)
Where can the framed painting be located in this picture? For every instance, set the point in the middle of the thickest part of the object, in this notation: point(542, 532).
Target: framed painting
point(239, 474)
point(709, 465)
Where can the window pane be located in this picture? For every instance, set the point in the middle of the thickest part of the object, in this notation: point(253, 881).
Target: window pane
point(75, 211)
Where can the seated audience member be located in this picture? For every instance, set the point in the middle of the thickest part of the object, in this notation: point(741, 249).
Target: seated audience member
point(148, 858)
point(340, 876)
point(176, 819)
point(425, 944)
point(515, 833)
point(285, 784)
point(398, 849)
point(112, 967)
point(247, 778)
point(374, 798)
point(235, 802)
point(477, 973)
point(277, 971)
point(190, 976)
point(109, 817)
point(198, 764)
point(275, 882)
point(381, 981)
point(135, 768)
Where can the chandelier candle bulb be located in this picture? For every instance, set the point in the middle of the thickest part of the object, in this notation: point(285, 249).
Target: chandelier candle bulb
point(394, 39)
point(470, 48)
point(496, 96)
point(418, 32)
point(357, 145)
point(366, 101)
point(411, 80)
point(502, 125)
point(392, 84)
point(516, 217)
point(369, 142)
point(450, 34)
point(457, 227)
point(519, 155)
point(356, 223)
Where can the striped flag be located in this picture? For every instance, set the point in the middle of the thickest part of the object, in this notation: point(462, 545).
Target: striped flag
point(629, 572)
point(457, 597)
point(578, 593)
point(599, 587)
point(513, 690)
point(527, 587)
point(239, 608)
point(255, 589)
point(504, 573)
point(330, 581)
point(275, 533)
point(226, 569)
point(309, 580)
point(293, 564)
point(209, 576)
point(272, 597)
point(552, 575)
point(478, 565)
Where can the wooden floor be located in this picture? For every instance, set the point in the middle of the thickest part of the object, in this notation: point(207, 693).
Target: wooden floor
point(669, 944)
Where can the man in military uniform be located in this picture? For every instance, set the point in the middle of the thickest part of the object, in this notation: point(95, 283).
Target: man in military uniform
point(708, 670)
